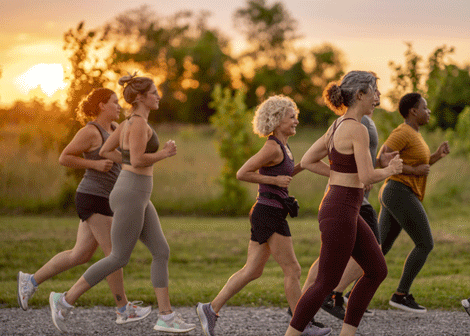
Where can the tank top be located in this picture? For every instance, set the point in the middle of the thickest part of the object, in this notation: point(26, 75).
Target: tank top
point(341, 163)
point(152, 146)
point(286, 167)
point(95, 182)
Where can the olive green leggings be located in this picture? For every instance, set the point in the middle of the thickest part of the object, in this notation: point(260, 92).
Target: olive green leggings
point(401, 209)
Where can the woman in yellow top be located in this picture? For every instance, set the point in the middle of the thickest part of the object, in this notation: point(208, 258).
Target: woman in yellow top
point(401, 195)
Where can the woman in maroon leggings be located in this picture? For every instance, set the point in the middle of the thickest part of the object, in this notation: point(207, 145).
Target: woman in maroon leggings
point(343, 232)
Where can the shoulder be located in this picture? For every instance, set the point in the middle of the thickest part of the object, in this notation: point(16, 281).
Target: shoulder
point(88, 131)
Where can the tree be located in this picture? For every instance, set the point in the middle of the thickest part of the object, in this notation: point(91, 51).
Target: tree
point(269, 31)
point(185, 57)
point(235, 142)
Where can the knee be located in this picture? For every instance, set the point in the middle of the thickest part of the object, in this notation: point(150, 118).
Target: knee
point(293, 270)
point(252, 273)
point(162, 253)
point(426, 247)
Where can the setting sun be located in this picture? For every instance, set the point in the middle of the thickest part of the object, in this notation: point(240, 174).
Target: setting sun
point(49, 77)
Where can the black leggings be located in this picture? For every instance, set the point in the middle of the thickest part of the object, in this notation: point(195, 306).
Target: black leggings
point(401, 209)
point(343, 234)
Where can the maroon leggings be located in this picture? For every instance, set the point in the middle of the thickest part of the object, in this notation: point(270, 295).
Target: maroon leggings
point(343, 234)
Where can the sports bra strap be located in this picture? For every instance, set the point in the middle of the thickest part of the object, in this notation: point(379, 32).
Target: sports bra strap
point(335, 127)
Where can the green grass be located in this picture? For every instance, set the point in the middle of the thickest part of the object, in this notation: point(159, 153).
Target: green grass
point(205, 252)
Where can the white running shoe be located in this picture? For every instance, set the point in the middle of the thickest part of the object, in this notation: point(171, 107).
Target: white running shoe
point(26, 289)
point(59, 311)
point(175, 325)
point(134, 312)
point(466, 305)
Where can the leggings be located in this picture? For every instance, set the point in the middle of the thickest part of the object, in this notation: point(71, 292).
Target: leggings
point(401, 209)
point(134, 218)
point(343, 234)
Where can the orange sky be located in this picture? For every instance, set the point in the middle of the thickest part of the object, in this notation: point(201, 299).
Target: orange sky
point(370, 33)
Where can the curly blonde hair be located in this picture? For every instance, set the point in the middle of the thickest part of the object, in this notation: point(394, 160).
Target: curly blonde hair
point(269, 114)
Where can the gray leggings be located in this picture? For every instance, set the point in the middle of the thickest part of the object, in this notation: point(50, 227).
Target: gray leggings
point(401, 209)
point(134, 218)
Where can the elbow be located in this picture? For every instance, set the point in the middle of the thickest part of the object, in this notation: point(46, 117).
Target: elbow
point(62, 160)
point(239, 176)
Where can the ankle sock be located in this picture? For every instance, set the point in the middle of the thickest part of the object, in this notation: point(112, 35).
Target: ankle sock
point(65, 303)
point(122, 309)
point(167, 317)
point(33, 281)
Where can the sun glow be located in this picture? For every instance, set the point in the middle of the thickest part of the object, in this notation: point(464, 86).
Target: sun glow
point(49, 77)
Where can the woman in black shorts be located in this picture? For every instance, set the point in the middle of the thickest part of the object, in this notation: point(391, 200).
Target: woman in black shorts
point(272, 168)
point(92, 203)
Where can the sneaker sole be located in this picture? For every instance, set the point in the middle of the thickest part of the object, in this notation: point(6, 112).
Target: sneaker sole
point(18, 296)
point(405, 308)
point(202, 320)
point(51, 304)
point(158, 328)
point(134, 319)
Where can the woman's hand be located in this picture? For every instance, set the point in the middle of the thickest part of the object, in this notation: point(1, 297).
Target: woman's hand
point(443, 149)
point(170, 148)
point(283, 181)
point(396, 165)
point(103, 165)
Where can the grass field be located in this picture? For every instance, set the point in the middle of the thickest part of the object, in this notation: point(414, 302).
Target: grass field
point(206, 251)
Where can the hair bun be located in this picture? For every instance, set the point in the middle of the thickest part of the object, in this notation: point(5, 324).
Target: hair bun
point(125, 79)
point(334, 93)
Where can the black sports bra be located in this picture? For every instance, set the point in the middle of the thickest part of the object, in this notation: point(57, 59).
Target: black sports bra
point(152, 146)
point(342, 163)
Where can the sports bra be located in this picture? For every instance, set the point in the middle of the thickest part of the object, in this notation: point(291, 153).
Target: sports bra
point(342, 163)
point(152, 146)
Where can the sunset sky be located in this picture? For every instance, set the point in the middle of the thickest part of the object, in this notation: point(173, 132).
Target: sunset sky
point(369, 32)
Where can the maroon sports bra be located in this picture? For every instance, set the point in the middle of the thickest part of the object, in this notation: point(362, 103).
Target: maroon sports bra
point(342, 163)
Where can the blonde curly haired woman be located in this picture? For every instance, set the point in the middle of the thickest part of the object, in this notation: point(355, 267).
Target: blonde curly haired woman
point(272, 168)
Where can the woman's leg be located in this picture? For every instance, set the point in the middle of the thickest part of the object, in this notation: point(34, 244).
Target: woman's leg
point(257, 257)
point(85, 247)
point(409, 213)
point(129, 207)
point(282, 250)
point(153, 238)
point(368, 255)
point(100, 226)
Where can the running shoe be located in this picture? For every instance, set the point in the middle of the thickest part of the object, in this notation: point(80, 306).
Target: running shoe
point(367, 313)
point(207, 318)
point(312, 330)
point(26, 289)
point(174, 325)
point(407, 303)
point(134, 312)
point(333, 305)
point(315, 323)
point(59, 311)
point(466, 305)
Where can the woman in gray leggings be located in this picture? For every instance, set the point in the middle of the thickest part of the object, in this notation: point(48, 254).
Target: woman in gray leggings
point(401, 196)
point(135, 216)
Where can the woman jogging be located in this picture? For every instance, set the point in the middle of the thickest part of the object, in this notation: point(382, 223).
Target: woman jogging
point(343, 232)
point(272, 168)
point(92, 203)
point(135, 216)
point(401, 195)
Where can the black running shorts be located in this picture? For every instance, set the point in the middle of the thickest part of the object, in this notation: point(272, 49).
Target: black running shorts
point(88, 205)
point(265, 220)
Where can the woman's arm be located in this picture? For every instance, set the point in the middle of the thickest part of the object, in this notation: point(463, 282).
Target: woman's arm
point(108, 150)
point(312, 159)
point(384, 157)
point(85, 139)
point(367, 173)
point(268, 155)
point(441, 152)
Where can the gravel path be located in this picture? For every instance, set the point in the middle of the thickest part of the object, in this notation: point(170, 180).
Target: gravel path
point(243, 321)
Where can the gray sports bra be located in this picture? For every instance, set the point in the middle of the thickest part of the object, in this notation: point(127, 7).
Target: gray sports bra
point(152, 146)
